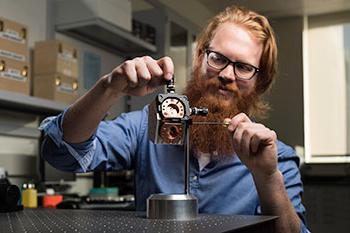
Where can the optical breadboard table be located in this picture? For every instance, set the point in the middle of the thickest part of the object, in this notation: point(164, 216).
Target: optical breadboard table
point(54, 220)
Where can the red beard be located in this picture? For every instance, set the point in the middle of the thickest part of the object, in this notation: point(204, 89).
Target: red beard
point(215, 139)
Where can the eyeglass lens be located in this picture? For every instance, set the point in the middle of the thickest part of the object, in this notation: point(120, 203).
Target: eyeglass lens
point(242, 70)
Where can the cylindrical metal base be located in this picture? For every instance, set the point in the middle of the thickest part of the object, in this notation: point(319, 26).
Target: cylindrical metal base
point(172, 206)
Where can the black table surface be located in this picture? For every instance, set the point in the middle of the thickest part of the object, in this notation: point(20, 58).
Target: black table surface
point(61, 220)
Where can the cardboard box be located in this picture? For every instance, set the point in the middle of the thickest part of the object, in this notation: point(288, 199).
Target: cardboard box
point(14, 76)
point(13, 40)
point(55, 56)
point(56, 87)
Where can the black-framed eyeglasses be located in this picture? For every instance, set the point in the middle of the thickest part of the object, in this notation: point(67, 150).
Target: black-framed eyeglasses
point(219, 62)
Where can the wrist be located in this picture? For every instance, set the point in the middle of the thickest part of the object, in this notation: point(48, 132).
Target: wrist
point(268, 179)
point(109, 91)
point(270, 189)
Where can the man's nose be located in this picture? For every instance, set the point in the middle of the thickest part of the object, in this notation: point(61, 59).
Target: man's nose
point(228, 73)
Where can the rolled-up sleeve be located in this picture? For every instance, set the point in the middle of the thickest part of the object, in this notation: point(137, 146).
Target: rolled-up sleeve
point(111, 147)
point(60, 154)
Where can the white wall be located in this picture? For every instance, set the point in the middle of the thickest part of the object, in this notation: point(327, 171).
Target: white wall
point(327, 91)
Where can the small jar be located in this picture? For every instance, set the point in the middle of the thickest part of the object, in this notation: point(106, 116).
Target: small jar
point(29, 196)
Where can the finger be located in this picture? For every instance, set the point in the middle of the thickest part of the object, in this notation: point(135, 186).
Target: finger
point(167, 66)
point(262, 137)
point(237, 137)
point(249, 130)
point(156, 74)
point(254, 143)
point(118, 74)
point(153, 67)
point(255, 140)
point(130, 72)
point(143, 74)
point(236, 120)
point(246, 140)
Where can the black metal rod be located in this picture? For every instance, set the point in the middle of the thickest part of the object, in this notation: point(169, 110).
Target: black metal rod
point(210, 123)
point(187, 158)
point(171, 85)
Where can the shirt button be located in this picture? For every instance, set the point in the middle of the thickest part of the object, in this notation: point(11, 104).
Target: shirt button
point(194, 178)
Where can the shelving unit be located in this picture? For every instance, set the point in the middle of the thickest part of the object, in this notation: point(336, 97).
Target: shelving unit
point(109, 37)
point(78, 20)
point(26, 104)
point(29, 104)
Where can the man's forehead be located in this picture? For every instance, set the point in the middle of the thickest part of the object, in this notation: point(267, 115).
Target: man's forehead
point(237, 43)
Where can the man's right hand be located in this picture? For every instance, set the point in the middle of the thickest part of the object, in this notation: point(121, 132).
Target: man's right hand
point(141, 75)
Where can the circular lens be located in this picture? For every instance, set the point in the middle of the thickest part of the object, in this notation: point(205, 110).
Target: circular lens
point(216, 60)
point(244, 71)
point(173, 108)
point(171, 134)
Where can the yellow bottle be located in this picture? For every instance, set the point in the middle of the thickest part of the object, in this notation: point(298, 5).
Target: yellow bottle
point(30, 196)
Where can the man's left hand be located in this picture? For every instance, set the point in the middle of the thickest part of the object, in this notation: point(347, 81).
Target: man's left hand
point(254, 144)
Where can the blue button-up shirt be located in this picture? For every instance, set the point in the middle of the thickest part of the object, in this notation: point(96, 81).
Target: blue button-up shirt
point(222, 187)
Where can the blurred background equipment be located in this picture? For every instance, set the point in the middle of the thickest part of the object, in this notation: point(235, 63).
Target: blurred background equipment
point(29, 195)
point(9, 194)
point(51, 199)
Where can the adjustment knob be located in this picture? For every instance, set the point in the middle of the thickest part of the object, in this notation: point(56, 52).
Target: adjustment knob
point(199, 111)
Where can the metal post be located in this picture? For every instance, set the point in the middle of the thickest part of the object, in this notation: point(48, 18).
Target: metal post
point(187, 157)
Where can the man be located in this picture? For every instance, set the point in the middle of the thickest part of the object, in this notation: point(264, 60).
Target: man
point(242, 169)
